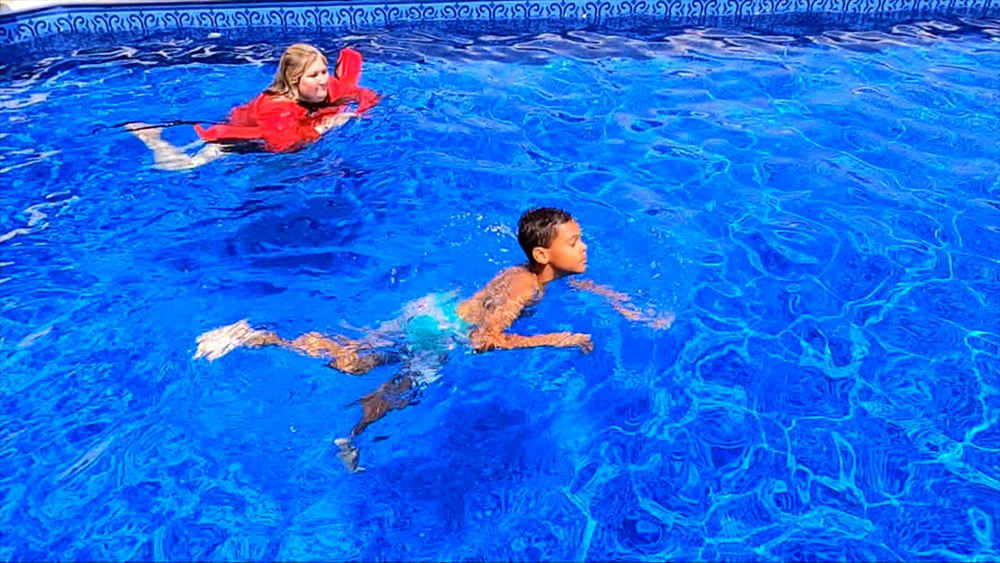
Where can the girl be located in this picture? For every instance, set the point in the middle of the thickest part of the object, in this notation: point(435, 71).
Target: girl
point(301, 104)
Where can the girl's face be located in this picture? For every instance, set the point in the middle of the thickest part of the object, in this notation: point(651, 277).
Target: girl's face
point(314, 81)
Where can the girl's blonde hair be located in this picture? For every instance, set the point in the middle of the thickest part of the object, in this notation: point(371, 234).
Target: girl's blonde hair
point(294, 62)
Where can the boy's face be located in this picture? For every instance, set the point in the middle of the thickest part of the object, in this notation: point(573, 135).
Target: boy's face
point(567, 253)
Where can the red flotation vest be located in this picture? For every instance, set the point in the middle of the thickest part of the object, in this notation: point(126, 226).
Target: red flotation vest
point(285, 125)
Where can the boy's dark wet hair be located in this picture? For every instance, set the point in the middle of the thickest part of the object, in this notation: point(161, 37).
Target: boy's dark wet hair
point(537, 227)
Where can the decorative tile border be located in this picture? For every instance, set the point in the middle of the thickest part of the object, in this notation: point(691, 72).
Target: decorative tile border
point(359, 15)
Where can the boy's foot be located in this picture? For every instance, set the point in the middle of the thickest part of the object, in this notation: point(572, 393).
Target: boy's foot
point(218, 342)
point(348, 455)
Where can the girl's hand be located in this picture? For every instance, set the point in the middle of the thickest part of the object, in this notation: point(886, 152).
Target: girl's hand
point(335, 121)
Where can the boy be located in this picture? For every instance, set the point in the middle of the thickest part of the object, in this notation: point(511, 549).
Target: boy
point(431, 326)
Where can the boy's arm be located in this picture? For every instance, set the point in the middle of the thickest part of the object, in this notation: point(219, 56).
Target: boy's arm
point(492, 333)
point(621, 303)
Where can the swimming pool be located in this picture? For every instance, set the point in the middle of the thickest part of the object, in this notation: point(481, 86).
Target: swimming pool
point(820, 209)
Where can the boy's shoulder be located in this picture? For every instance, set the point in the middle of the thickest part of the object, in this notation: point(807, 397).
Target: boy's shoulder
point(518, 283)
point(518, 276)
point(512, 282)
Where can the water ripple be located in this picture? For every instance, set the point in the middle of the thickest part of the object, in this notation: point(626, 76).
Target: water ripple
point(819, 206)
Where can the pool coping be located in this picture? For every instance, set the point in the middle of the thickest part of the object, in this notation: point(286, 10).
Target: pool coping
point(110, 17)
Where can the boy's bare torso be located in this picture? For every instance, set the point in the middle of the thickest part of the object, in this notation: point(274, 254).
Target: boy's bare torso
point(481, 308)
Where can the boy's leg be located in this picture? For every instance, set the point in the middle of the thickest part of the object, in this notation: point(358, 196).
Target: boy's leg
point(344, 353)
point(395, 394)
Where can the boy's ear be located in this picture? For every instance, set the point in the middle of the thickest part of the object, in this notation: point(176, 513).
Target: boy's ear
point(541, 255)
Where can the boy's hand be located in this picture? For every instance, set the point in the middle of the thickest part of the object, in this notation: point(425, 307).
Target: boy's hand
point(651, 318)
point(580, 340)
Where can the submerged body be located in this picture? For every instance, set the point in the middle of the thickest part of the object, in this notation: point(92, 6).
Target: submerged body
point(302, 104)
point(283, 124)
point(429, 328)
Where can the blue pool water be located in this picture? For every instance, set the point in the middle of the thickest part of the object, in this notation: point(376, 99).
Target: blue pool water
point(821, 211)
